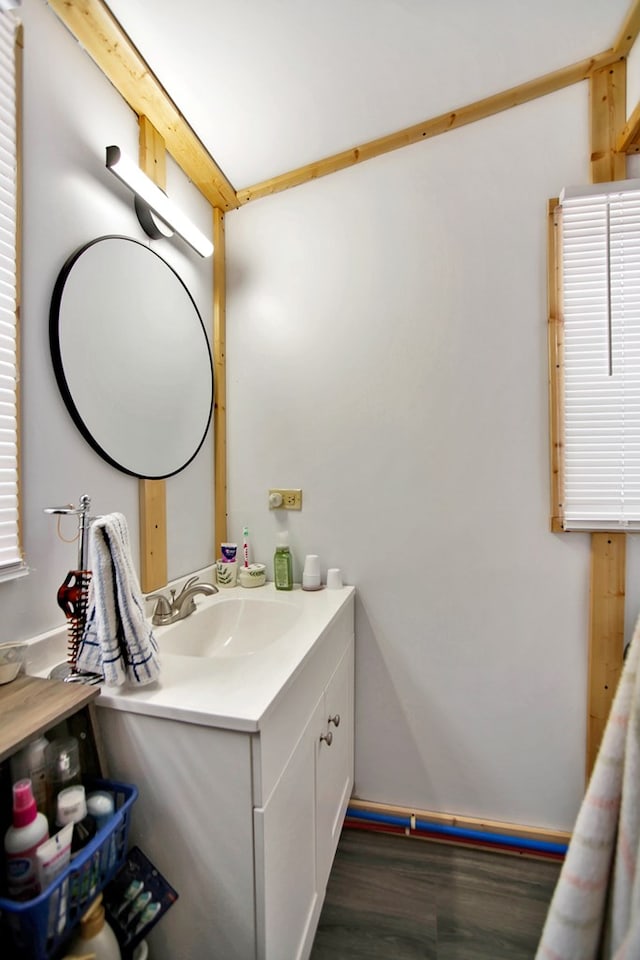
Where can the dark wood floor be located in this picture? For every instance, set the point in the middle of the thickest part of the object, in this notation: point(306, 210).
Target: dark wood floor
point(401, 898)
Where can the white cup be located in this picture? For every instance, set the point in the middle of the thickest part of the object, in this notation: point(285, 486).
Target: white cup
point(311, 572)
point(226, 573)
point(334, 578)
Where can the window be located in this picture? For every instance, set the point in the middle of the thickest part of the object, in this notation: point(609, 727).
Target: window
point(599, 389)
point(11, 560)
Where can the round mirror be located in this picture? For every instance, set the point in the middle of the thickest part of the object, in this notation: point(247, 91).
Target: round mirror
point(131, 357)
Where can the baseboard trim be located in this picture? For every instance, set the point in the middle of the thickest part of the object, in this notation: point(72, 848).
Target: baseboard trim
point(448, 828)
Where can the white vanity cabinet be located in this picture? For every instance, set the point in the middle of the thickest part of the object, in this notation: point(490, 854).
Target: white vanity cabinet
point(245, 823)
point(298, 827)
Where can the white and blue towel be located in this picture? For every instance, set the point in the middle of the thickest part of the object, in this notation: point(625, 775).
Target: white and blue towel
point(118, 641)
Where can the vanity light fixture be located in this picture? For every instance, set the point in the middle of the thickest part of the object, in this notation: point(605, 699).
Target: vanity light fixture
point(158, 215)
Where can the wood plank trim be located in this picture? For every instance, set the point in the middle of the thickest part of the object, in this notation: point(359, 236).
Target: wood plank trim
point(220, 380)
point(608, 550)
point(479, 110)
point(100, 34)
point(555, 331)
point(152, 494)
point(152, 497)
point(152, 153)
point(628, 31)
point(627, 141)
point(608, 93)
point(468, 823)
point(606, 632)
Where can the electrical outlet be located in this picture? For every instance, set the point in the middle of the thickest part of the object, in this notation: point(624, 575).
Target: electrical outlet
point(285, 499)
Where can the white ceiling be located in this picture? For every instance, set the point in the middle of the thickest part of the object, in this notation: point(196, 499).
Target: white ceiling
point(269, 85)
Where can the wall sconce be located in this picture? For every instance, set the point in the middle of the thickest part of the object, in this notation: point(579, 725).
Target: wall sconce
point(158, 215)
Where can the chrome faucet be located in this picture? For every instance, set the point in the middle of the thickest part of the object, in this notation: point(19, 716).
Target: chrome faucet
point(169, 610)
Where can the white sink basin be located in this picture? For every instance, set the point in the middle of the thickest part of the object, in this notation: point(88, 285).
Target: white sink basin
point(228, 627)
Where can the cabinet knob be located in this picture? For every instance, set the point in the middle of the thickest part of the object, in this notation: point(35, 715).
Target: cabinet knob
point(335, 720)
point(327, 737)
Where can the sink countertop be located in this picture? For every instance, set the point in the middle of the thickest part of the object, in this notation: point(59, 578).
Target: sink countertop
point(233, 693)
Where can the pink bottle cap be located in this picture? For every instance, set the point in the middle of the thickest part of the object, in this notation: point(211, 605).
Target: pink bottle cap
point(24, 804)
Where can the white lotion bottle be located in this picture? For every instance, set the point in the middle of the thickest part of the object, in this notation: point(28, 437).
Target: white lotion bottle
point(28, 830)
point(95, 936)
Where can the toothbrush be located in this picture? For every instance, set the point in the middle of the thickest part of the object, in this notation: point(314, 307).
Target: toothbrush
point(245, 545)
point(139, 905)
point(132, 891)
point(147, 916)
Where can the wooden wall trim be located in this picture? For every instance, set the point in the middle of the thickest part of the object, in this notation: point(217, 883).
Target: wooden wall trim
point(470, 823)
point(628, 31)
point(608, 551)
point(152, 153)
point(606, 633)
point(555, 339)
point(627, 141)
point(152, 495)
point(100, 34)
point(479, 110)
point(220, 380)
point(608, 101)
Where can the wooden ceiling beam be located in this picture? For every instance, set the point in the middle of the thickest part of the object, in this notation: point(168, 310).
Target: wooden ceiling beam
point(479, 110)
point(96, 29)
point(629, 31)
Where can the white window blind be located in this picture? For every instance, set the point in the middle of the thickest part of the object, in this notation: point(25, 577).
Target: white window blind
point(600, 411)
point(11, 561)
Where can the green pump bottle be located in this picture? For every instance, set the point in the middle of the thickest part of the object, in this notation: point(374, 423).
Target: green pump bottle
point(282, 564)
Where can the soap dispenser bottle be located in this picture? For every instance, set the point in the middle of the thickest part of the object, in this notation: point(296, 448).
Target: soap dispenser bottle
point(282, 564)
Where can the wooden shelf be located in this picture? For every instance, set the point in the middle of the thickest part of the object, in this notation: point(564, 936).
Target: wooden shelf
point(30, 705)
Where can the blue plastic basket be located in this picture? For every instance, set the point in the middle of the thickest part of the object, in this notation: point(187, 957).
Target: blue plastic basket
point(37, 928)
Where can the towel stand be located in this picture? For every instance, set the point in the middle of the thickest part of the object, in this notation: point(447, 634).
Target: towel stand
point(73, 595)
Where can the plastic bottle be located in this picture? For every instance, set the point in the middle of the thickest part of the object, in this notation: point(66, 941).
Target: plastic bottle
point(101, 806)
point(29, 829)
point(63, 770)
point(72, 808)
point(282, 564)
point(30, 764)
point(95, 936)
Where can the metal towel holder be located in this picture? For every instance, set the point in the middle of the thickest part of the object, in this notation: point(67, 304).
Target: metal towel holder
point(73, 596)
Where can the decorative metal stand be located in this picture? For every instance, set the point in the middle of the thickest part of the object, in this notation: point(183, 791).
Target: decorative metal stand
point(73, 597)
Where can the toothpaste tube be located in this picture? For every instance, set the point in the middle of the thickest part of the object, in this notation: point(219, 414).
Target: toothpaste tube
point(54, 855)
point(229, 551)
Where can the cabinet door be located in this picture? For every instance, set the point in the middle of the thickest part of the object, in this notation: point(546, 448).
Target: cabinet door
point(285, 851)
point(334, 765)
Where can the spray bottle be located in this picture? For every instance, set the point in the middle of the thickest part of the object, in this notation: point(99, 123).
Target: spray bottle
point(28, 830)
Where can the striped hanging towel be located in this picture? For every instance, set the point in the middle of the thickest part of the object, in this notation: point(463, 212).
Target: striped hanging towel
point(595, 910)
point(118, 640)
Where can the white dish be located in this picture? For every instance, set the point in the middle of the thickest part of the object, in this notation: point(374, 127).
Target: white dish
point(11, 659)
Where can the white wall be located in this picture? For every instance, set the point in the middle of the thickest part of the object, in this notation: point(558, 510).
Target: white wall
point(387, 353)
point(71, 113)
